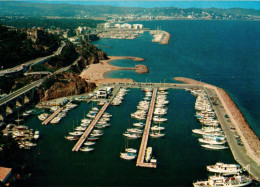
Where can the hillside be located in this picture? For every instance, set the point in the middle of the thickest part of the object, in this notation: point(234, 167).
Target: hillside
point(18, 47)
point(90, 11)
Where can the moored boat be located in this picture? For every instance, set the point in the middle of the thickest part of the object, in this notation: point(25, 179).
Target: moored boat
point(212, 142)
point(148, 154)
point(86, 149)
point(225, 169)
point(76, 133)
point(89, 143)
point(235, 181)
point(216, 147)
point(72, 138)
point(128, 156)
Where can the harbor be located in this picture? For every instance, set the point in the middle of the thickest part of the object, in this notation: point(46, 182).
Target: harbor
point(220, 113)
point(143, 145)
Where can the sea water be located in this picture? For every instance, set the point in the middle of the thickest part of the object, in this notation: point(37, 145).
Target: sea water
point(223, 53)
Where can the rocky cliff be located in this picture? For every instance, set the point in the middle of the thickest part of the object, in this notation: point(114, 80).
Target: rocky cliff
point(63, 85)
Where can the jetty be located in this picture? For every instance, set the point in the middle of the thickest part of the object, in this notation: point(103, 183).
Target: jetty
point(90, 128)
point(140, 159)
point(52, 116)
point(85, 135)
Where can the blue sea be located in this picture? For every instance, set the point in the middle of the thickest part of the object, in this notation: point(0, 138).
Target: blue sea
point(223, 53)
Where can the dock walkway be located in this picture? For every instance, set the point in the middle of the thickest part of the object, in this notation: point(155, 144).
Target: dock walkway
point(52, 116)
point(94, 122)
point(90, 127)
point(140, 159)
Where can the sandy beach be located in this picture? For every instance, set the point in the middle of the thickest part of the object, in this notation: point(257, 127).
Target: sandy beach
point(95, 72)
point(252, 143)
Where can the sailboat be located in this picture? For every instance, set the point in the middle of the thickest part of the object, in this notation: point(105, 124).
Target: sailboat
point(157, 133)
point(129, 153)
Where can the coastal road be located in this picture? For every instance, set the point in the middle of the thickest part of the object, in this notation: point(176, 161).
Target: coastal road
point(238, 151)
point(20, 91)
point(31, 62)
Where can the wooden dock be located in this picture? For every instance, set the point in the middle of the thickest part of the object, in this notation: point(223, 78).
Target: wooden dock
point(52, 116)
point(140, 159)
point(90, 127)
point(85, 135)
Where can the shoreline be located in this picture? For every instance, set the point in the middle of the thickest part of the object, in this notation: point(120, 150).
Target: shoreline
point(95, 72)
point(249, 138)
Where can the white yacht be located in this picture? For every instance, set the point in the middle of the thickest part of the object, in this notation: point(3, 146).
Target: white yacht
point(148, 154)
point(128, 156)
point(225, 169)
point(134, 130)
point(131, 150)
point(156, 134)
point(133, 136)
point(159, 119)
point(216, 147)
point(76, 133)
point(140, 124)
point(86, 149)
point(235, 181)
point(72, 138)
point(212, 142)
point(157, 128)
point(55, 120)
point(89, 143)
point(43, 116)
point(36, 135)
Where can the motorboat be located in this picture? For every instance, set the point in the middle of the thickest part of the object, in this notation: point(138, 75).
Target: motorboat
point(148, 154)
point(72, 137)
point(133, 136)
point(234, 181)
point(216, 147)
point(225, 169)
point(89, 143)
point(86, 149)
point(36, 135)
point(159, 119)
point(43, 116)
point(128, 156)
point(157, 128)
point(212, 142)
point(134, 130)
point(76, 133)
point(156, 135)
point(131, 150)
point(140, 124)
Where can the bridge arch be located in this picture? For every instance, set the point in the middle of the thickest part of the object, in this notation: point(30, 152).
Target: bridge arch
point(28, 96)
point(2, 114)
point(10, 107)
point(19, 101)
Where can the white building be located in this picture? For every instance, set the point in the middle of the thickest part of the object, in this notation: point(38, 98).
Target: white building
point(126, 26)
point(137, 26)
point(117, 25)
point(106, 25)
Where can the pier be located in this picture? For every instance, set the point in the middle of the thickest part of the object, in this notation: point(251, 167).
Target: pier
point(140, 159)
point(94, 122)
point(90, 127)
point(52, 116)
